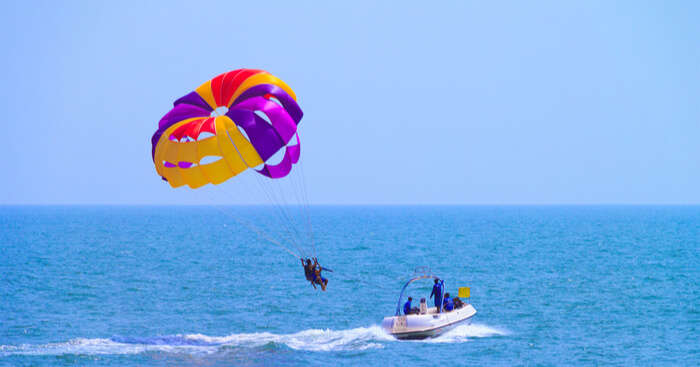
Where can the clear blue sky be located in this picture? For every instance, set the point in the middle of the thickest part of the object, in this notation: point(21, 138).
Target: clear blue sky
point(405, 102)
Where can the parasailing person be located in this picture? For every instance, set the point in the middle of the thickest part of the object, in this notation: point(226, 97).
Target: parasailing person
point(312, 272)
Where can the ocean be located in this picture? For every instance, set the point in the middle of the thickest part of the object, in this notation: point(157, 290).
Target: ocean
point(191, 286)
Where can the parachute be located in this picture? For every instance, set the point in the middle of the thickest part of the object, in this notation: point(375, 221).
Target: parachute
point(242, 120)
point(193, 146)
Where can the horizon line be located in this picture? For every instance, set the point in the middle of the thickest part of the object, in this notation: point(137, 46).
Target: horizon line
point(348, 205)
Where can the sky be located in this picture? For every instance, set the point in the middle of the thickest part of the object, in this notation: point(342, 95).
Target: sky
point(411, 102)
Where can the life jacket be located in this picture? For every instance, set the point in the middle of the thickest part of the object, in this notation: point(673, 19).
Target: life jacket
point(448, 304)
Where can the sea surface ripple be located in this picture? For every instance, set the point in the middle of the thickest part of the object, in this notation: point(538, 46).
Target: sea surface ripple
point(178, 285)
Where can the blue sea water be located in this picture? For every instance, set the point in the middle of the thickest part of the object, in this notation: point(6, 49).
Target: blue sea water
point(163, 286)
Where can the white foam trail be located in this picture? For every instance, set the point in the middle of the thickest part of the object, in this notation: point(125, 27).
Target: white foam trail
point(94, 347)
point(316, 340)
point(463, 333)
point(310, 340)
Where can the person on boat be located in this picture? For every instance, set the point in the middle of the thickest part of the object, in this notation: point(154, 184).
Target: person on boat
point(458, 302)
point(437, 292)
point(407, 306)
point(447, 303)
point(423, 309)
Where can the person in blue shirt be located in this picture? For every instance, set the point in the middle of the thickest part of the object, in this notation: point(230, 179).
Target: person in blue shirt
point(437, 292)
point(407, 307)
point(317, 278)
point(447, 304)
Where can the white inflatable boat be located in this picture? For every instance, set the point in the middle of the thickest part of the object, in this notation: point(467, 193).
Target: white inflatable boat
point(426, 322)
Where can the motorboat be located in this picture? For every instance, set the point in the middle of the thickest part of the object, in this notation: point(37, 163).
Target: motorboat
point(425, 322)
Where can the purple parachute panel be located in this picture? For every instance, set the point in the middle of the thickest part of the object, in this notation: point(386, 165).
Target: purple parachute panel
point(193, 99)
point(279, 118)
point(261, 134)
point(282, 169)
point(261, 90)
point(268, 137)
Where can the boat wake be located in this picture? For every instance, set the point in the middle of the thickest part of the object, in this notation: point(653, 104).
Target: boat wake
point(362, 338)
point(463, 333)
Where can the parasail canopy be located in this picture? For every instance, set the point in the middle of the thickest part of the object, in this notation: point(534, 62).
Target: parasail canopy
point(235, 121)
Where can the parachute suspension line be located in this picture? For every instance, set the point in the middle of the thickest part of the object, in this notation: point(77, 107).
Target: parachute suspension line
point(262, 233)
point(302, 213)
point(298, 213)
point(268, 189)
point(259, 184)
point(286, 209)
point(307, 207)
point(294, 179)
point(257, 231)
point(280, 203)
point(304, 206)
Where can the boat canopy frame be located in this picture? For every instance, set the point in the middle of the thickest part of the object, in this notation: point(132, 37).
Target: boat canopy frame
point(419, 277)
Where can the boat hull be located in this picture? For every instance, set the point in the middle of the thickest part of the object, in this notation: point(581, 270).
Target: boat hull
point(427, 325)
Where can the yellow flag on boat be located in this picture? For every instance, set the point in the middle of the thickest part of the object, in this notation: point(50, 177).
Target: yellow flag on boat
point(463, 292)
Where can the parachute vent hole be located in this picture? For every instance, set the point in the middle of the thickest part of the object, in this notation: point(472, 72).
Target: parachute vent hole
point(277, 157)
point(209, 159)
point(245, 134)
point(204, 135)
point(293, 141)
point(273, 99)
point(219, 111)
point(263, 116)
